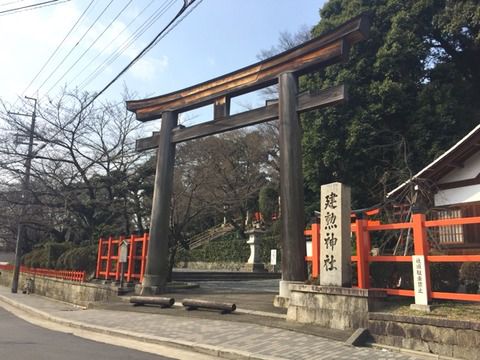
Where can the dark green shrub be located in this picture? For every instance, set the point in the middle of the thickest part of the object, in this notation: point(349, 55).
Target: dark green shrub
point(46, 255)
point(231, 249)
point(444, 276)
point(225, 249)
point(470, 271)
point(268, 202)
point(267, 244)
point(37, 258)
point(391, 275)
point(80, 259)
point(354, 274)
point(470, 275)
point(54, 251)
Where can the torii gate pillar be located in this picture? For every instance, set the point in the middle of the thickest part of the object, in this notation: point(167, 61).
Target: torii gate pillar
point(156, 271)
point(291, 185)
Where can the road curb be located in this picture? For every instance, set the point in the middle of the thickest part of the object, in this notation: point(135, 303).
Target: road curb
point(216, 351)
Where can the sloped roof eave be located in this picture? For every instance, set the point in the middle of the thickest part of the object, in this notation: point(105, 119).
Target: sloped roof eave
point(435, 162)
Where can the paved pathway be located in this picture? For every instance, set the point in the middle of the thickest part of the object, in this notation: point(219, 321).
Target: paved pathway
point(247, 340)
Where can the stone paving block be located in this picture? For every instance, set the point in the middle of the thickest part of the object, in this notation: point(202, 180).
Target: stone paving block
point(441, 349)
point(377, 327)
point(447, 336)
point(415, 344)
point(468, 338)
point(395, 329)
point(462, 352)
point(412, 331)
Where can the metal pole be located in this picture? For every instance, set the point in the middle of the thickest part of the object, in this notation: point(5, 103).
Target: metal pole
point(122, 274)
point(25, 189)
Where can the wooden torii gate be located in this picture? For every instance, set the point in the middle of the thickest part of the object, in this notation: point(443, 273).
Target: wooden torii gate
point(284, 69)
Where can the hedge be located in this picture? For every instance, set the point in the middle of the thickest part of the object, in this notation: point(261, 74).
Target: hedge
point(62, 256)
point(230, 249)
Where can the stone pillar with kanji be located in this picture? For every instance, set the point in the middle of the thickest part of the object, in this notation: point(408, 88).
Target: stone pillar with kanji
point(335, 244)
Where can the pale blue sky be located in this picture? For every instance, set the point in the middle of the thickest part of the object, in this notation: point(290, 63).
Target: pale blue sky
point(223, 35)
point(219, 36)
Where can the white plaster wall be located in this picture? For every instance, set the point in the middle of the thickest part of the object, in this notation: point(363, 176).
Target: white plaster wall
point(464, 194)
point(470, 170)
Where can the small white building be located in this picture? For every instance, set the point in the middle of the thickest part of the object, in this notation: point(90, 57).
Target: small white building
point(453, 184)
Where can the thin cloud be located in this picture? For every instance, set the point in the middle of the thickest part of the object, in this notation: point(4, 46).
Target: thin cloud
point(146, 68)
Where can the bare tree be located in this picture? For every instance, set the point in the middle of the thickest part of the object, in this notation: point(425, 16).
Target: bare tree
point(83, 163)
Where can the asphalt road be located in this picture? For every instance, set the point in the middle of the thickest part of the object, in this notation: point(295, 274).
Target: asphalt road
point(20, 340)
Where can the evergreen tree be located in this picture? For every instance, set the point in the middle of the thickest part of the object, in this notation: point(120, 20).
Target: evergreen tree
point(414, 91)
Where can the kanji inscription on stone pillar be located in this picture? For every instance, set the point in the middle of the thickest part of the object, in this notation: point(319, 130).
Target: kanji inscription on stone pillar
point(335, 246)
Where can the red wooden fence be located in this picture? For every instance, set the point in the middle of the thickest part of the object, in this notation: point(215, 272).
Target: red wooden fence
point(108, 266)
point(58, 274)
point(419, 226)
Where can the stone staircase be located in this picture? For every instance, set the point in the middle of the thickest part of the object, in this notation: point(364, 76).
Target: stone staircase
point(209, 235)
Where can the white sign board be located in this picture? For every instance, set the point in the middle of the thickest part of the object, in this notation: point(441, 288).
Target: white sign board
point(273, 256)
point(419, 280)
point(123, 252)
point(308, 245)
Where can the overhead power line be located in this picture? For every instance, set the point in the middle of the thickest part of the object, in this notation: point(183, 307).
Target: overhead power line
point(165, 30)
point(146, 49)
point(11, 2)
point(127, 43)
point(58, 46)
point(91, 45)
point(100, 67)
point(178, 21)
point(31, 7)
point(78, 42)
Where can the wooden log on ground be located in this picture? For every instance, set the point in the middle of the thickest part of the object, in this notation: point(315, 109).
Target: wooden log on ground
point(164, 302)
point(193, 304)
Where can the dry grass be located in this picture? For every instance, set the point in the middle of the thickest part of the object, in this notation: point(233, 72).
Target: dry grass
point(445, 309)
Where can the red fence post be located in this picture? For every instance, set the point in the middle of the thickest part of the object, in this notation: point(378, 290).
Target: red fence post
point(315, 250)
point(109, 254)
point(367, 248)
point(117, 268)
point(130, 257)
point(363, 250)
point(420, 246)
point(99, 258)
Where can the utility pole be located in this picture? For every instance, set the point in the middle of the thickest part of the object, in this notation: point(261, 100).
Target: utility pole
point(25, 190)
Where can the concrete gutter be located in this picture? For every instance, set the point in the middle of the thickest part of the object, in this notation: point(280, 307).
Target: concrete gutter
point(215, 351)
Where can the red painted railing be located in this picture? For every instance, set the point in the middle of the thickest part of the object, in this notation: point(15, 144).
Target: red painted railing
point(108, 266)
point(419, 226)
point(58, 274)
